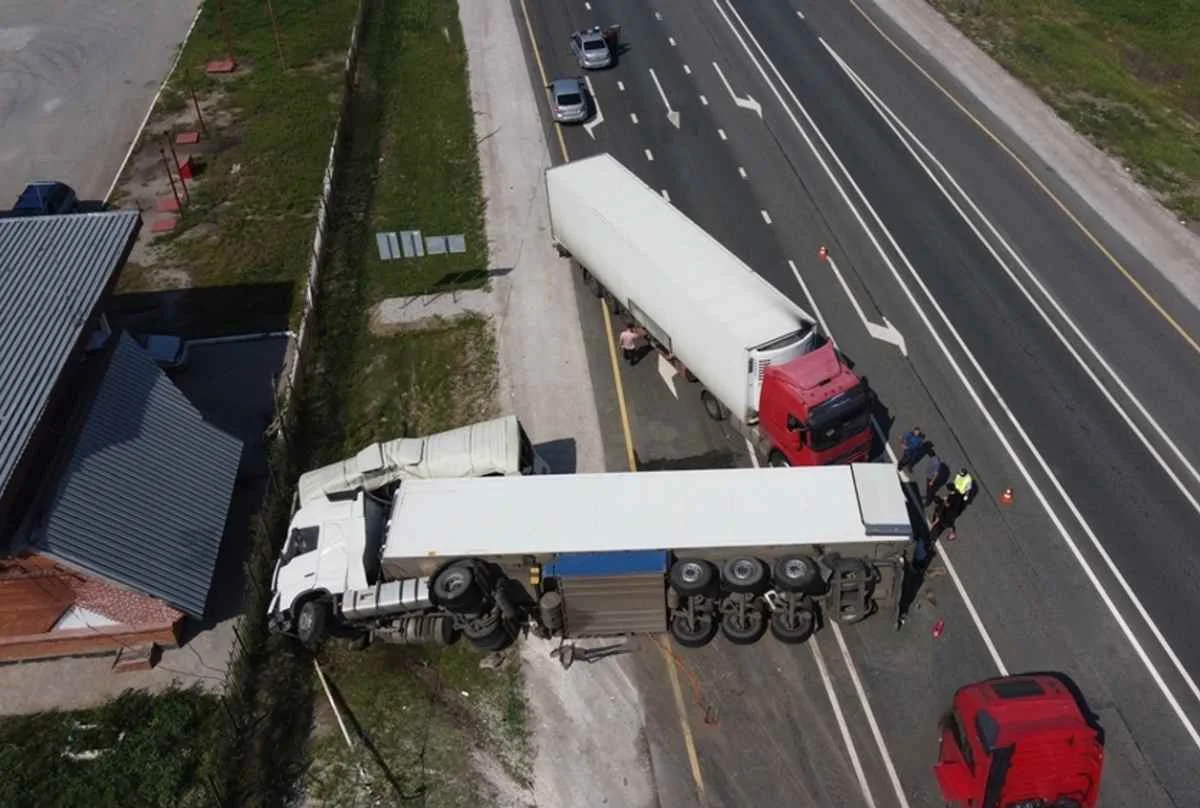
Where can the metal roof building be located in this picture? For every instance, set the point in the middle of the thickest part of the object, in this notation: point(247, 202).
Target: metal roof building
point(144, 497)
point(54, 271)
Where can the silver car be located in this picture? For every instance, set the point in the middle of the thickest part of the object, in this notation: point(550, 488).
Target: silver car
point(568, 100)
point(591, 49)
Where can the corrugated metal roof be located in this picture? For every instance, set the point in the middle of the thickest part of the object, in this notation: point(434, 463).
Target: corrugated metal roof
point(53, 270)
point(144, 498)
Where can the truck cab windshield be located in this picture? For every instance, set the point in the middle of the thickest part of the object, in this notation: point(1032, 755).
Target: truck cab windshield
point(839, 418)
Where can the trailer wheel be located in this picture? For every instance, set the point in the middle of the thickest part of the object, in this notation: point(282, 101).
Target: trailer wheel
point(795, 627)
point(312, 623)
point(798, 573)
point(744, 574)
point(695, 631)
point(692, 576)
point(744, 627)
point(715, 409)
point(456, 589)
point(492, 633)
point(777, 460)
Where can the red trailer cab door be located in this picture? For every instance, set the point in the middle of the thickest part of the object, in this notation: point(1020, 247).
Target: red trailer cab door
point(955, 769)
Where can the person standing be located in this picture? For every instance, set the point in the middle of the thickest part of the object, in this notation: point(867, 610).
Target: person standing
point(964, 484)
point(946, 514)
point(935, 478)
point(913, 445)
point(630, 338)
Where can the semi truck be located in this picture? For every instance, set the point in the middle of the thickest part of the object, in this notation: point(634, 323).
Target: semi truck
point(760, 359)
point(496, 447)
point(1023, 741)
point(739, 551)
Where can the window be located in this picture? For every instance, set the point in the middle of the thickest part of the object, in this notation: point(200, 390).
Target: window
point(302, 540)
point(594, 45)
point(953, 724)
point(569, 99)
point(987, 729)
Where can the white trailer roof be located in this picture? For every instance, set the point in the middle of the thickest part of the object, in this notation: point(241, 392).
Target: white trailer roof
point(694, 268)
point(675, 510)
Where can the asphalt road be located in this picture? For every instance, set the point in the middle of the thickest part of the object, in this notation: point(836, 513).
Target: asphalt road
point(66, 65)
point(1096, 388)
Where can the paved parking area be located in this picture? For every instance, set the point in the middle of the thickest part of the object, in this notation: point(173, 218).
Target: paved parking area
point(76, 78)
point(232, 384)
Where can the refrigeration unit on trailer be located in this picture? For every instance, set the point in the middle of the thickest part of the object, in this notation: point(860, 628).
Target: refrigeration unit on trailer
point(759, 358)
point(690, 552)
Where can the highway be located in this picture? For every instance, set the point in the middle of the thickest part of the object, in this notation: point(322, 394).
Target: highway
point(1028, 355)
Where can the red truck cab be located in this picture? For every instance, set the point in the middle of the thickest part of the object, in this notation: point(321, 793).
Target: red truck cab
point(816, 411)
point(1019, 742)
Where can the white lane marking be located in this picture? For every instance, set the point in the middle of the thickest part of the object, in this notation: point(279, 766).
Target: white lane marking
point(704, 101)
point(745, 103)
point(721, 134)
point(945, 555)
point(936, 335)
point(843, 727)
point(884, 333)
point(658, 16)
point(633, 117)
point(667, 371)
point(672, 115)
point(671, 39)
point(766, 216)
point(741, 172)
point(621, 86)
point(649, 155)
point(687, 70)
point(862, 697)
point(587, 5)
point(893, 120)
point(590, 126)
point(137, 137)
point(665, 195)
point(800, 14)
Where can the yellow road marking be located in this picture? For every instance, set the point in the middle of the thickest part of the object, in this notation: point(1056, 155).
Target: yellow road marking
point(688, 741)
point(1145, 293)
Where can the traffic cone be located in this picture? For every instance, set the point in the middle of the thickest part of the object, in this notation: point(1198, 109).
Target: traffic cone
point(822, 253)
point(1006, 497)
point(938, 628)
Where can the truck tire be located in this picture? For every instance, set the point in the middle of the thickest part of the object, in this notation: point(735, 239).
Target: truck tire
point(456, 588)
point(794, 628)
point(493, 633)
point(694, 633)
point(312, 623)
point(744, 574)
point(798, 573)
point(776, 460)
point(715, 409)
point(746, 628)
point(692, 576)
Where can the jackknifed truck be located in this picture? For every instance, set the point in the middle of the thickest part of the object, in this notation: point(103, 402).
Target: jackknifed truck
point(760, 359)
point(740, 551)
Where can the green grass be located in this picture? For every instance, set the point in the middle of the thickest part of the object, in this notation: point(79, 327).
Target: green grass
point(158, 753)
point(275, 125)
point(1126, 73)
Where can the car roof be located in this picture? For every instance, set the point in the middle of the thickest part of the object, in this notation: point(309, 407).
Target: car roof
point(560, 86)
point(591, 36)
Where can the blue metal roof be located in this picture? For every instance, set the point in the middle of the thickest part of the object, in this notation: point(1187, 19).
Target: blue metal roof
point(144, 498)
point(53, 272)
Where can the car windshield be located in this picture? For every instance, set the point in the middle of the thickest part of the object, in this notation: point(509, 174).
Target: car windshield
point(594, 45)
point(841, 417)
point(569, 99)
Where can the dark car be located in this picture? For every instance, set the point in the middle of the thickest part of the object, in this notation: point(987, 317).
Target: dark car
point(45, 199)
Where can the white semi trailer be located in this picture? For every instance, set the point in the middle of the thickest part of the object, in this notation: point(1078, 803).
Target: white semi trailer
point(690, 552)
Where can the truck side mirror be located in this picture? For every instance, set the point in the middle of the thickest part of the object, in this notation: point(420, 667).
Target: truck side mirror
point(793, 423)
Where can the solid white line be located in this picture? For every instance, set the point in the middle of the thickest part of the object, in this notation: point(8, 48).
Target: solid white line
point(862, 697)
point(153, 103)
point(1112, 567)
point(766, 216)
point(633, 117)
point(621, 86)
point(937, 338)
point(704, 101)
point(667, 197)
point(886, 112)
point(741, 172)
point(722, 135)
point(671, 39)
point(687, 70)
point(587, 5)
point(843, 727)
point(649, 155)
point(598, 118)
point(750, 450)
point(800, 14)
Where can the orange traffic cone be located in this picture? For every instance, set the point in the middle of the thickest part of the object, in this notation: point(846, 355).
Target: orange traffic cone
point(1006, 497)
point(822, 253)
